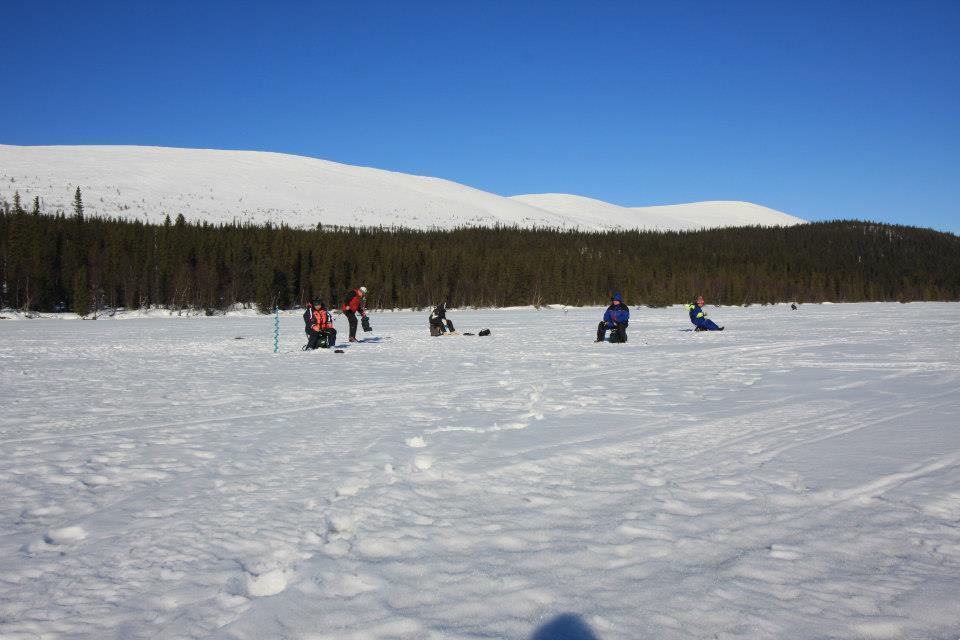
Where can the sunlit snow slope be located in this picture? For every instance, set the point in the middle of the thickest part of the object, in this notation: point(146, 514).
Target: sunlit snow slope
point(147, 183)
point(695, 215)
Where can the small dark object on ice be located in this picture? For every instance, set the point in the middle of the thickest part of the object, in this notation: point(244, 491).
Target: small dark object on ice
point(338, 350)
point(239, 338)
point(469, 334)
point(484, 332)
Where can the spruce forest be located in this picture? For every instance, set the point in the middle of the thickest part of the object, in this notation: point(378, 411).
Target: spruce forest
point(57, 262)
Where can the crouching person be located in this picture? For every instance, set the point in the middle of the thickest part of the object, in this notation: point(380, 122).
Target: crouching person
point(616, 319)
point(439, 323)
point(319, 326)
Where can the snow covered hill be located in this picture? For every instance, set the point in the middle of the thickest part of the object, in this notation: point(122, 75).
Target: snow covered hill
point(147, 183)
point(692, 216)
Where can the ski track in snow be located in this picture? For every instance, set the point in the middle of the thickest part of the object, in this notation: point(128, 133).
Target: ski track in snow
point(797, 475)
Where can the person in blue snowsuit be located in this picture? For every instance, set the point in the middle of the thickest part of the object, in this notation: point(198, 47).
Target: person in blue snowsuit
point(699, 318)
point(616, 318)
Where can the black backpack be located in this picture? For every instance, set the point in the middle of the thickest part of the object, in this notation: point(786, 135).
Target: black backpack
point(308, 317)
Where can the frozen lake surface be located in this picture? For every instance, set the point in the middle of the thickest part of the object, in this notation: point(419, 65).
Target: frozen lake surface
point(796, 476)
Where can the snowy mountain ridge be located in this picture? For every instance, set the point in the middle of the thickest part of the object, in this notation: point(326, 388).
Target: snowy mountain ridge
point(148, 183)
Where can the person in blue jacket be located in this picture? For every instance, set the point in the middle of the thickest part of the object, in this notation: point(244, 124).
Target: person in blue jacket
point(616, 319)
point(699, 318)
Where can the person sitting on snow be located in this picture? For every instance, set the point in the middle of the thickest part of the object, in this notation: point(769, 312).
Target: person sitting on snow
point(616, 319)
point(438, 318)
point(699, 318)
point(319, 326)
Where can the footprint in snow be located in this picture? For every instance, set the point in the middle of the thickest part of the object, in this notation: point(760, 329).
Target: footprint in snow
point(340, 527)
point(784, 552)
point(95, 481)
point(65, 535)
point(268, 584)
point(350, 488)
point(416, 442)
point(254, 585)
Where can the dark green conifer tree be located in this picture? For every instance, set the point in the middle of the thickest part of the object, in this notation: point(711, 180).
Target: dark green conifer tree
point(78, 205)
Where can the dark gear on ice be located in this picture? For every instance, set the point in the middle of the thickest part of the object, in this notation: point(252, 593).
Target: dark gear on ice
point(352, 305)
point(439, 323)
point(318, 325)
point(615, 319)
point(699, 318)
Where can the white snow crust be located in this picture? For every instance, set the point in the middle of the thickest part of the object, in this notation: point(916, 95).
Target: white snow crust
point(148, 183)
point(796, 476)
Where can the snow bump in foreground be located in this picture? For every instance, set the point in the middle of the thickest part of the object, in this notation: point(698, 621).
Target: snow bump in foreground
point(797, 475)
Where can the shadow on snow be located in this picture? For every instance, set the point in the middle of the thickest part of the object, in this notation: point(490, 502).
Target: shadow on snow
point(566, 626)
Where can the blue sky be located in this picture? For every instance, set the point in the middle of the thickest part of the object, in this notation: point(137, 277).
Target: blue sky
point(841, 109)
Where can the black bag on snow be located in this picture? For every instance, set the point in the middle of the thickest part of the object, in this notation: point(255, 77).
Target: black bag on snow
point(484, 332)
point(365, 323)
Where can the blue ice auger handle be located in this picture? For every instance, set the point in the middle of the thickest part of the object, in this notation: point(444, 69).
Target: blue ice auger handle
point(276, 330)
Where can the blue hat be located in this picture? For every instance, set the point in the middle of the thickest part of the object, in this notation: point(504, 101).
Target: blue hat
point(617, 296)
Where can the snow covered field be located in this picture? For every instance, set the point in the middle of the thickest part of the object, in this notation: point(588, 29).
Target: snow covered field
point(796, 476)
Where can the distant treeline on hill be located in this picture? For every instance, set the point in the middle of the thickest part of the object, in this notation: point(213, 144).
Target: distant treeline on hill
point(50, 262)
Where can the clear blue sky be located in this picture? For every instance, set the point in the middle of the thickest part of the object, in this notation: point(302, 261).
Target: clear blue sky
point(820, 109)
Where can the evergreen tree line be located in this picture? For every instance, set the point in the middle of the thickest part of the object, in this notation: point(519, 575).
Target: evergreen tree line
point(50, 262)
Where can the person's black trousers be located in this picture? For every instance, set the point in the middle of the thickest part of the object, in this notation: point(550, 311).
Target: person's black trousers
point(352, 319)
point(617, 334)
point(314, 340)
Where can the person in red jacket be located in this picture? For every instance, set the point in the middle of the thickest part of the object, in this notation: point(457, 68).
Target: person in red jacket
point(352, 305)
point(319, 326)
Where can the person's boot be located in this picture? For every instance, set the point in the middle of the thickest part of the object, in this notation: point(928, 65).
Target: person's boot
point(352, 339)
